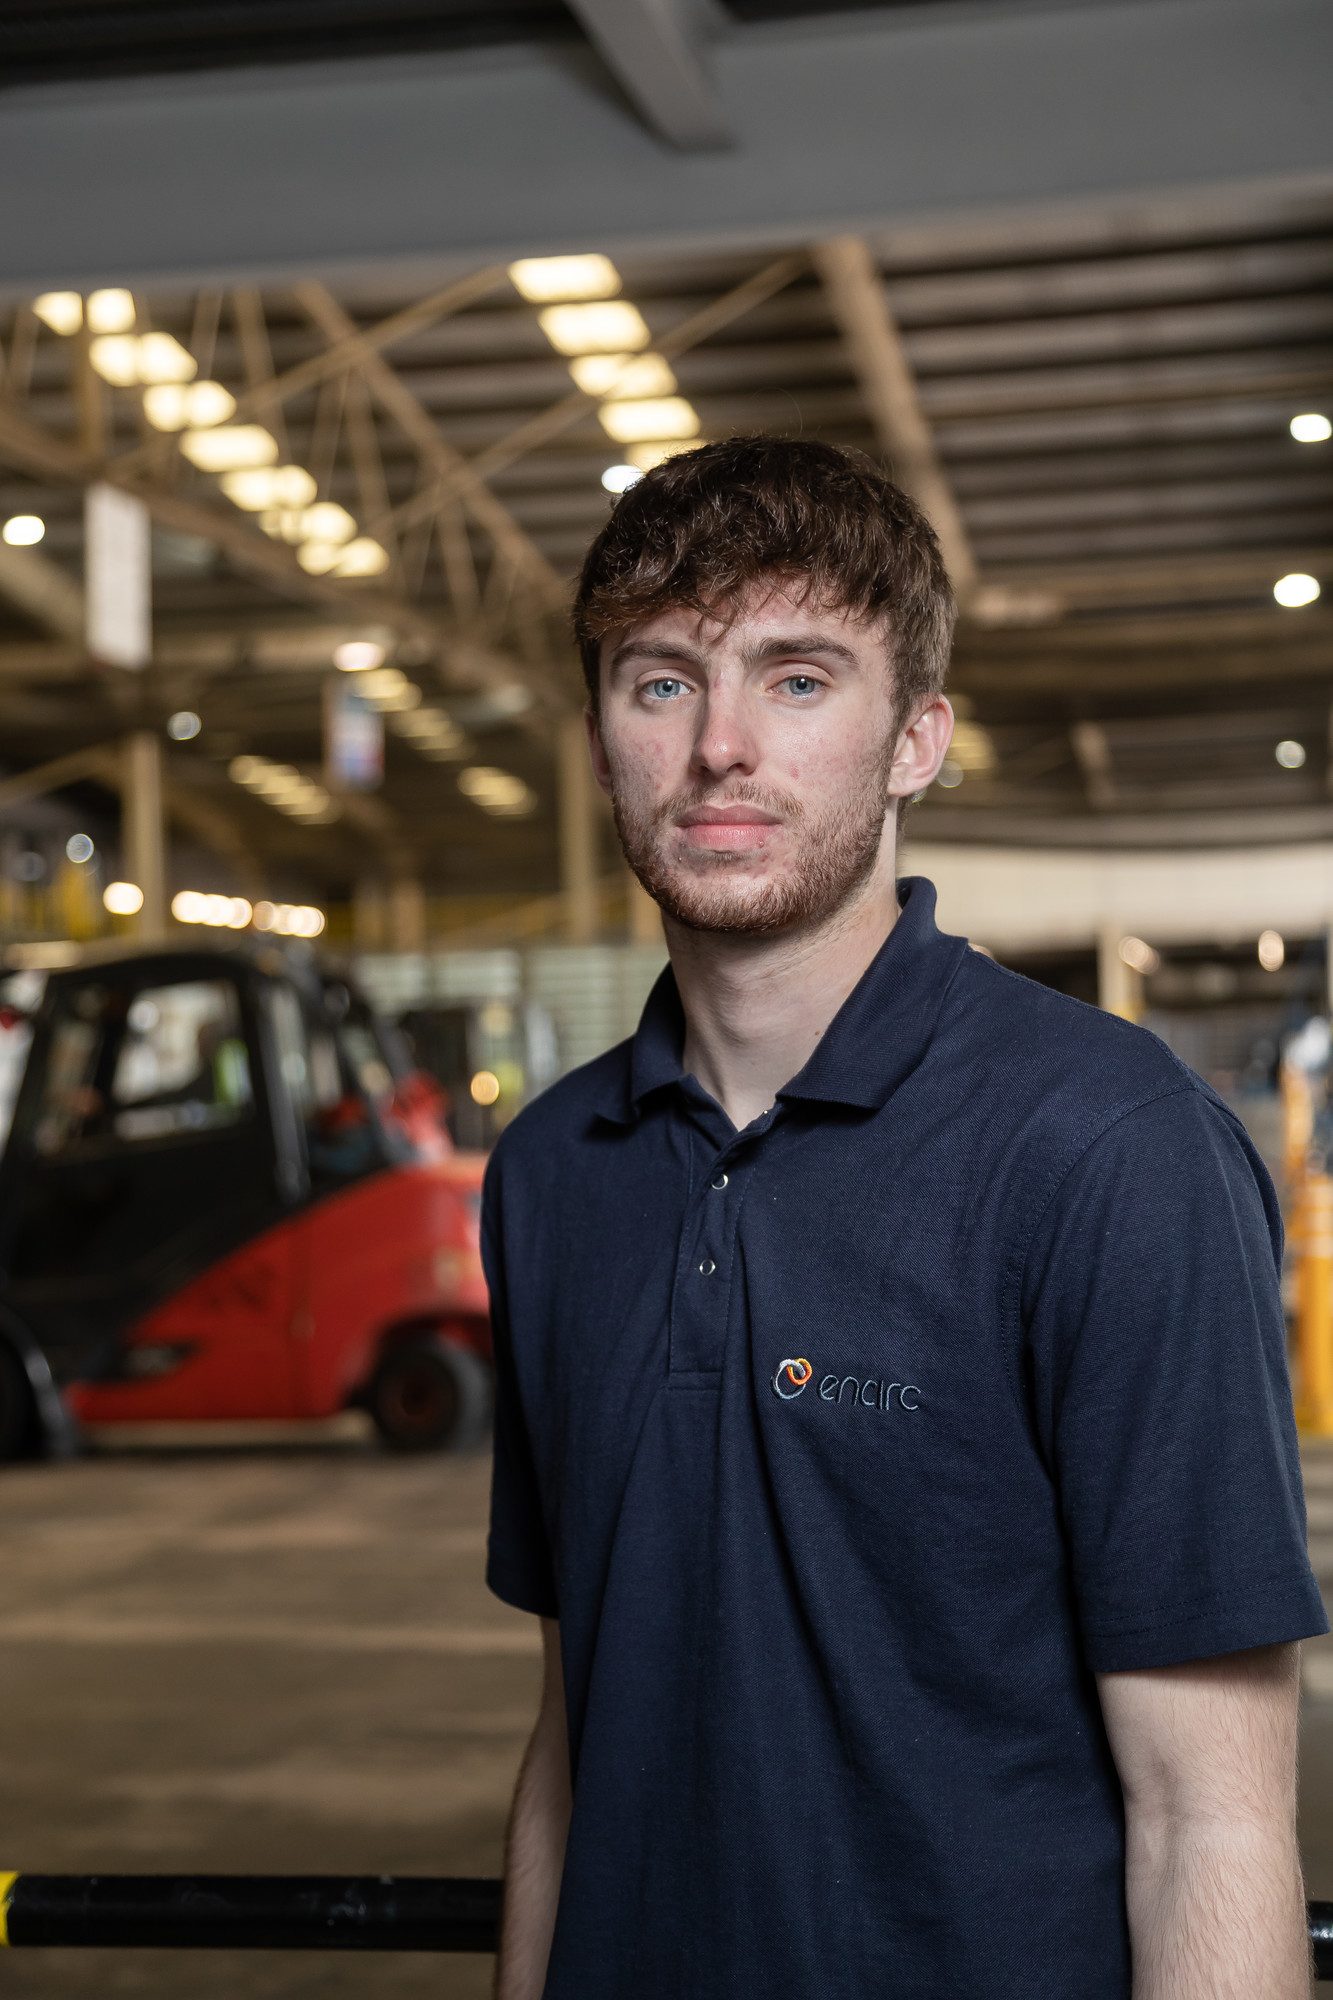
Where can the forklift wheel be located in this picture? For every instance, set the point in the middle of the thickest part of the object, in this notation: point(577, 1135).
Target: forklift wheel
point(17, 1414)
point(431, 1396)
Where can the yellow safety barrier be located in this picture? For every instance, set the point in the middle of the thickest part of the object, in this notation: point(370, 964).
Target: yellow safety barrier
point(1314, 1304)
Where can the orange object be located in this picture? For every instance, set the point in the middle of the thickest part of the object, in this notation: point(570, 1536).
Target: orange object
point(1314, 1309)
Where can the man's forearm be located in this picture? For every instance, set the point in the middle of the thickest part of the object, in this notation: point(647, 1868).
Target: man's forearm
point(1206, 1752)
point(535, 1854)
point(1216, 1912)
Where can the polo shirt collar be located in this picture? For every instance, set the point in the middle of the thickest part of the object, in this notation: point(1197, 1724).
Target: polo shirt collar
point(875, 1040)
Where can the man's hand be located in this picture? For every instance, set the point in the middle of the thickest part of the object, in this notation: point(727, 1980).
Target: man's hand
point(1207, 1759)
point(538, 1828)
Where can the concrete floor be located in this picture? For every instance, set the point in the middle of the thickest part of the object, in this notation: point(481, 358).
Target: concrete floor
point(255, 1661)
point(285, 1660)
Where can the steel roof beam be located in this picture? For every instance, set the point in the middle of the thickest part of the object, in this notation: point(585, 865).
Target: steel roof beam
point(655, 50)
point(861, 310)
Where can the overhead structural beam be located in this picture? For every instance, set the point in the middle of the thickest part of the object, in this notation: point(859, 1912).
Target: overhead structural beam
point(101, 761)
point(347, 352)
point(29, 445)
point(549, 423)
point(861, 308)
point(43, 591)
point(655, 51)
point(416, 422)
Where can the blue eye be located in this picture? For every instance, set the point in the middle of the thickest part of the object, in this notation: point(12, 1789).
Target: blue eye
point(802, 684)
point(665, 690)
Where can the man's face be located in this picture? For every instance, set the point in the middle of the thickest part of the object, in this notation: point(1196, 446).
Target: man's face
point(752, 763)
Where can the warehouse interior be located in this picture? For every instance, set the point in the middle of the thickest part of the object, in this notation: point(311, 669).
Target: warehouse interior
point(328, 336)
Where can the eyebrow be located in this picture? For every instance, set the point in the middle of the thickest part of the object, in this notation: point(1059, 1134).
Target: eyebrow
point(780, 648)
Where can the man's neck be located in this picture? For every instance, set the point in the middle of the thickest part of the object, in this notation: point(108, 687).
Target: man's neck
point(757, 1007)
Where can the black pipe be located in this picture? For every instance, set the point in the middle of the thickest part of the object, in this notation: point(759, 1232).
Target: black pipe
point(300, 1913)
point(1319, 1916)
point(255, 1912)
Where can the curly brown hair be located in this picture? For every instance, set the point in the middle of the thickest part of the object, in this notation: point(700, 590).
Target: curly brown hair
point(701, 529)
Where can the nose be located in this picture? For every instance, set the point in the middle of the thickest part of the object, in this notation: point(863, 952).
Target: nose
point(724, 745)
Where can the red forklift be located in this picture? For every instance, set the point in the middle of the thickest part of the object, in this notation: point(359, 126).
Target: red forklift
point(226, 1193)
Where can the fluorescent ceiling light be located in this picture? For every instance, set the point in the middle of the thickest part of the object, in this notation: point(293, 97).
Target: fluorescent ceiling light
point(115, 356)
point(612, 327)
point(363, 557)
point(1312, 428)
point(1295, 590)
point(656, 418)
point(619, 478)
point(497, 792)
point(358, 656)
point(186, 406)
point(163, 359)
point(623, 375)
point(328, 522)
point(261, 486)
point(543, 278)
point(61, 311)
point(230, 447)
point(318, 558)
point(22, 530)
point(110, 311)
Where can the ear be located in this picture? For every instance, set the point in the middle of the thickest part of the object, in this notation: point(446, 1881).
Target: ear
point(601, 768)
point(921, 749)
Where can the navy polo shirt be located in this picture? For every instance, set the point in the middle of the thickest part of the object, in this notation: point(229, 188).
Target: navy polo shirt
point(847, 1448)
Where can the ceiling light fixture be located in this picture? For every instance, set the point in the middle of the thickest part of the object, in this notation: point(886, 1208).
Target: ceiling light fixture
point(61, 311)
point(183, 726)
point(289, 919)
point(22, 530)
point(613, 326)
point(497, 792)
point(1272, 951)
point(1311, 428)
point(262, 486)
point(231, 913)
point(539, 279)
point(1295, 590)
point(363, 557)
point(358, 656)
point(328, 522)
point(620, 375)
point(123, 899)
point(183, 406)
point(230, 447)
point(110, 311)
point(656, 418)
point(619, 478)
point(1290, 754)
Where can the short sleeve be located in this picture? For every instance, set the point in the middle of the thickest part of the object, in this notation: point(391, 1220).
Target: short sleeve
point(1156, 1348)
point(518, 1568)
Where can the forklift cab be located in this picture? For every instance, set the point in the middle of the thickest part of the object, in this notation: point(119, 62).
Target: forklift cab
point(186, 1123)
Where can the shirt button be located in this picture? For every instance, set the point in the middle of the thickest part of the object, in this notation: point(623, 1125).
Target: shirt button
point(720, 1182)
point(708, 1267)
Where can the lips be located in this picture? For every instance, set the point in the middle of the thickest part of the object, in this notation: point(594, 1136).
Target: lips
point(726, 830)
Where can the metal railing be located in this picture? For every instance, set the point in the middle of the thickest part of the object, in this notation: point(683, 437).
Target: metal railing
point(252, 1912)
point(299, 1913)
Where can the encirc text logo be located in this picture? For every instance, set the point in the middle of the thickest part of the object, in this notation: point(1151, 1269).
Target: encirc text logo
point(791, 1378)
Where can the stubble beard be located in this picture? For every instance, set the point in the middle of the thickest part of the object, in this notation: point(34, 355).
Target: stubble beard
point(833, 854)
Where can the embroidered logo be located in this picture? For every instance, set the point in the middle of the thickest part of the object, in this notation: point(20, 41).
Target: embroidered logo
point(791, 1378)
point(795, 1375)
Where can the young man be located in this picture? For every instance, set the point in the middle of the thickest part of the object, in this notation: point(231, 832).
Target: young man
point(893, 1431)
